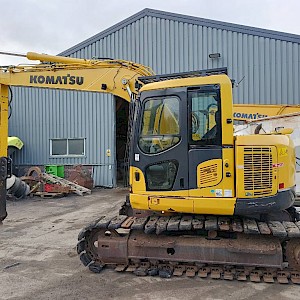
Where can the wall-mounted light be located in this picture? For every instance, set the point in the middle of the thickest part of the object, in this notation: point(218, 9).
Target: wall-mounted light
point(214, 55)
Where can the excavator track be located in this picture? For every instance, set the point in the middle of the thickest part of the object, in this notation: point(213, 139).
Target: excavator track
point(227, 248)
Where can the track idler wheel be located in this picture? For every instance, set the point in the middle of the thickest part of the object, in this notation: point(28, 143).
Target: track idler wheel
point(293, 253)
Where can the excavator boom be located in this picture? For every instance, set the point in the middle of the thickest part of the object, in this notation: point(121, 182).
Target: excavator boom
point(117, 77)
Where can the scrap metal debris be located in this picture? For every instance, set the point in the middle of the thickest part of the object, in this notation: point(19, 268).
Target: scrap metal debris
point(51, 186)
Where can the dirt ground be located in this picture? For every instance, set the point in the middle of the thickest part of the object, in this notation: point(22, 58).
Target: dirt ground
point(38, 259)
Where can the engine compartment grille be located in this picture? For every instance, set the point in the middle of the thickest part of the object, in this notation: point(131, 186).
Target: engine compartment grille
point(258, 171)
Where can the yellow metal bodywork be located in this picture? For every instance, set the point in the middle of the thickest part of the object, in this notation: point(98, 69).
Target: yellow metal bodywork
point(184, 201)
point(225, 188)
point(283, 164)
point(3, 119)
point(218, 197)
point(220, 192)
point(108, 76)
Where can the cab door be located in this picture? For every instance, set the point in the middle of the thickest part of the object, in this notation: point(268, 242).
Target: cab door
point(160, 146)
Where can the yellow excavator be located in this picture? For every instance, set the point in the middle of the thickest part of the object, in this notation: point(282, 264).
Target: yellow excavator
point(202, 201)
point(252, 112)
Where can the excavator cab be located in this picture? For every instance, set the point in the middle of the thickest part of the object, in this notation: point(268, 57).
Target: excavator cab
point(180, 133)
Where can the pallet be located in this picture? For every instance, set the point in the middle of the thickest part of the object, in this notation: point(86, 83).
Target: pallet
point(49, 195)
point(75, 188)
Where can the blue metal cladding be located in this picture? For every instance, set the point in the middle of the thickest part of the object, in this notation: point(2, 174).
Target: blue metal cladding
point(42, 114)
point(267, 68)
point(266, 63)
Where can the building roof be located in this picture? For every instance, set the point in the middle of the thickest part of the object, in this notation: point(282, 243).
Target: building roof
point(147, 12)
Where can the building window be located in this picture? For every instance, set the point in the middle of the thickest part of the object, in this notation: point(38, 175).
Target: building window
point(67, 147)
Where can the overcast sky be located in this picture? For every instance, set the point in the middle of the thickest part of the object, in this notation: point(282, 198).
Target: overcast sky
point(52, 26)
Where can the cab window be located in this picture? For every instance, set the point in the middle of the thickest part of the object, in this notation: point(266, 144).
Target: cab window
point(205, 128)
point(160, 128)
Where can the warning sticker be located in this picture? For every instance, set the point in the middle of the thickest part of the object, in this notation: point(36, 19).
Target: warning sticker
point(219, 193)
point(227, 193)
point(282, 151)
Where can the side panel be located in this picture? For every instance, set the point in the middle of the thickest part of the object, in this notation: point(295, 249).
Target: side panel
point(204, 205)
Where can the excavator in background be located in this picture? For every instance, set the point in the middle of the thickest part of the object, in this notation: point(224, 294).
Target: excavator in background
point(271, 124)
point(254, 112)
point(201, 200)
point(255, 118)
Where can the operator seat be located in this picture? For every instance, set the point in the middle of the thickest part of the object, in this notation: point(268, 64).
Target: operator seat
point(213, 135)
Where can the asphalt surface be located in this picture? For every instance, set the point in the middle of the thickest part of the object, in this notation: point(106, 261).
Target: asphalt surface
point(38, 259)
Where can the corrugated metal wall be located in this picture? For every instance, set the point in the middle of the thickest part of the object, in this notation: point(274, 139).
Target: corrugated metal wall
point(39, 115)
point(269, 68)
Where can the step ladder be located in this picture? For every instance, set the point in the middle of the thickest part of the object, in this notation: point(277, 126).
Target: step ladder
point(76, 188)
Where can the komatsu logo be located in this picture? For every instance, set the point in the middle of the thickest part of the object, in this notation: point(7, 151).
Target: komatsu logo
point(68, 79)
point(253, 116)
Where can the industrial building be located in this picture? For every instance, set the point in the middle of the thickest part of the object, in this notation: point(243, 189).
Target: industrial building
point(70, 128)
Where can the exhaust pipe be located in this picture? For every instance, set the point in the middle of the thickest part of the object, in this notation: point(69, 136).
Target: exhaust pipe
point(16, 187)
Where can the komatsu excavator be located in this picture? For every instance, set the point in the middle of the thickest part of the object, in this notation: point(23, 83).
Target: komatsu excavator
point(253, 112)
point(201, 201)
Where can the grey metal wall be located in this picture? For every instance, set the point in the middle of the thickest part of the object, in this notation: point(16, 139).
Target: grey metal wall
point(41, 114)
point(268, 61)
point(270, 67)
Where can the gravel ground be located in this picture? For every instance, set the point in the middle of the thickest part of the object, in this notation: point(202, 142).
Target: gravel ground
point(38, 259)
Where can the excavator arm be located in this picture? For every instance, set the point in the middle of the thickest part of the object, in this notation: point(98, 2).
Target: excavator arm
point(251, 112)
point(117, 77)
